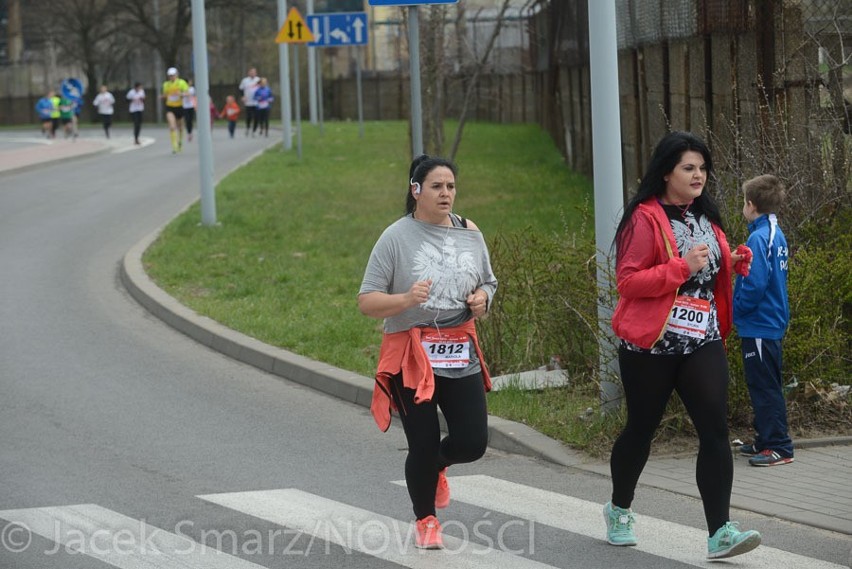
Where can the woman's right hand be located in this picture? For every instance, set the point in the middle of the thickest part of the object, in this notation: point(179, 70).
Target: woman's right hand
point(419, 292)
point(697, 257)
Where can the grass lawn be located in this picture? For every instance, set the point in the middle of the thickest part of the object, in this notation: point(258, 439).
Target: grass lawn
point(287, 259)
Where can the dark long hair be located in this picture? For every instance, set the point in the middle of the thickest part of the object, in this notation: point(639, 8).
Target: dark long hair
point(666, 156)
point(420, 168)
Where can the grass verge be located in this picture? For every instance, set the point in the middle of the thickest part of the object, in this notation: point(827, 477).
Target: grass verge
point(287, 259)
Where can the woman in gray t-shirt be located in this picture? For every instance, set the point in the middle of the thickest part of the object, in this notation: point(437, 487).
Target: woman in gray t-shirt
point(429, 277)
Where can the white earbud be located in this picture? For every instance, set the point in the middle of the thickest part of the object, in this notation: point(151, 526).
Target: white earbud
point(416, 186)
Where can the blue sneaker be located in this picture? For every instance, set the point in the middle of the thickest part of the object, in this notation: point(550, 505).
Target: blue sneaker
point(769, 458)
point(729, 541)
point(748, 450)
point(619, 525)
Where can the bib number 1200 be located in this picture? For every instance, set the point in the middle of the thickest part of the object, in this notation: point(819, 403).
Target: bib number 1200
point(689, 317)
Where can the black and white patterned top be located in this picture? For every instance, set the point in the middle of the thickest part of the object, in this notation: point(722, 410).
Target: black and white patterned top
point(691, 227)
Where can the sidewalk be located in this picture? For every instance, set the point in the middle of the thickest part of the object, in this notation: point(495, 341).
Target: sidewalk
point(20, 152)
point(815, 490)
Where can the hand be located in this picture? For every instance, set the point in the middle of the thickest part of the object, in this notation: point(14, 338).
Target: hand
point(741, 259)
point(419, 292)
point(478, 302)
point(697, 257)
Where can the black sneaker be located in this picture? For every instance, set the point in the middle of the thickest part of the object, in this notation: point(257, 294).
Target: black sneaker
point(748, 450)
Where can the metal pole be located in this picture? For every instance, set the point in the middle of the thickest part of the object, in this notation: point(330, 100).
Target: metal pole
point(414, 61)
point(296, 90)
point(202, 87)
point(606, 137)
point(158, 67)
point(320, 98)
point(312, 73)
point(360, 95)
point(284, 72)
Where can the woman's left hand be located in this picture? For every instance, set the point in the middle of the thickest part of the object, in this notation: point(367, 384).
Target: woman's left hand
point(478, 302)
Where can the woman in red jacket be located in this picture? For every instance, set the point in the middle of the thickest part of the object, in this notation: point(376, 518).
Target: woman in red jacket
point(673, 272)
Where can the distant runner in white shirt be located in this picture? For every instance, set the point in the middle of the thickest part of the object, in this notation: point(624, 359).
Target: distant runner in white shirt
point(248, 86)
point(136, 96)
point(189, 103)
point(105, 102)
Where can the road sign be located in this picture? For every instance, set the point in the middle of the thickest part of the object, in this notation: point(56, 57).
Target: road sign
point(410, 2)
point(337, 29)
point(294, 29)
point(72, 88)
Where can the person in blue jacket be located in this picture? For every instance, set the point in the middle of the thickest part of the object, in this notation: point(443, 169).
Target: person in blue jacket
point(761, 315)
point(45, 108)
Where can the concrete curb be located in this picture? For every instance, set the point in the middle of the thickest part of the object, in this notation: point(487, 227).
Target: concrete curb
point(504, 435)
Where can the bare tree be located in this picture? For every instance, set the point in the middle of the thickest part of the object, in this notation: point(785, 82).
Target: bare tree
point(434, 79)
point(472, 82)
point(84, 31)
point(162, 24)
point(434, 69)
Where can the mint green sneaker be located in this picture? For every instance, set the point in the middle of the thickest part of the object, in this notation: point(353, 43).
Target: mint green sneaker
point(729, 541)
point(619, 525)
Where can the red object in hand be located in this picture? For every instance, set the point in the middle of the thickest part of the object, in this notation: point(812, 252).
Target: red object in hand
point(742, 267)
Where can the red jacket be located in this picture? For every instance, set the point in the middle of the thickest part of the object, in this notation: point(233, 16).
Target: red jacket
point(231, 112)
point(648, 277)
point(402, 351)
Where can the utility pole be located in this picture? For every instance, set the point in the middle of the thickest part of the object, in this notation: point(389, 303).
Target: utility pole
point(608, 180)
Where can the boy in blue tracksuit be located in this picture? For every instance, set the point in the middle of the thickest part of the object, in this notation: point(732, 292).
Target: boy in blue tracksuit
point(761, 315)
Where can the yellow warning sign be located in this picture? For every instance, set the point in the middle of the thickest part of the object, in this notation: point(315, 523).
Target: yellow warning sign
point(294, 30)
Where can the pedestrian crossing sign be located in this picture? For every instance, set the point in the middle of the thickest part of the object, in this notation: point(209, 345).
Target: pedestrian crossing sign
point(294, 29)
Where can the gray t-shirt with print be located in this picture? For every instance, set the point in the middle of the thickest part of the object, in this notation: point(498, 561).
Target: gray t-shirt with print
point(455, 258)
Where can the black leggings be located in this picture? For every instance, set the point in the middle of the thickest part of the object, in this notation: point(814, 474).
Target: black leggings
point(462, 400)
point(251, 118)
point(137, 123)
point(188, 119)
point(701, 381)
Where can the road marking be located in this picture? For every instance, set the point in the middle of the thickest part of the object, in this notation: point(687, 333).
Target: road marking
point(364, 531)
point(656, 537)
point(114, 538)
point(128, 543)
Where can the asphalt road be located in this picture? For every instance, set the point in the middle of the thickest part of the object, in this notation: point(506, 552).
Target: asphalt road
point(130, 444)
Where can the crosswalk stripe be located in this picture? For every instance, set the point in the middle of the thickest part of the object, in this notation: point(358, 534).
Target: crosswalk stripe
point(364, 531)
point(118, 540)
point(656, 537)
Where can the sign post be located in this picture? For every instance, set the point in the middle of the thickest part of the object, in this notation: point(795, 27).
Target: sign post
point(284, 74)
point(414, 63)
point(294, 30)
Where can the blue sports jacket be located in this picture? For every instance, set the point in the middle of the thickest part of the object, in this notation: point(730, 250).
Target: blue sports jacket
point(761, 308)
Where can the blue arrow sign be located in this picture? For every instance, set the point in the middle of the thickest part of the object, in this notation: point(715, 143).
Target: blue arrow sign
point(72, 88)
point(338, 29)
point(409, 2)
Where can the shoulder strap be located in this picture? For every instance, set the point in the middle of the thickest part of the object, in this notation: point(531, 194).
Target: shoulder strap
point(458, 221)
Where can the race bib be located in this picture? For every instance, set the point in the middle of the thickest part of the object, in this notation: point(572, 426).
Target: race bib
point(689, 317)
point(447, 350)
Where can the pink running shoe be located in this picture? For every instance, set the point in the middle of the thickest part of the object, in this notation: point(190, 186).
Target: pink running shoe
point(429, 533)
